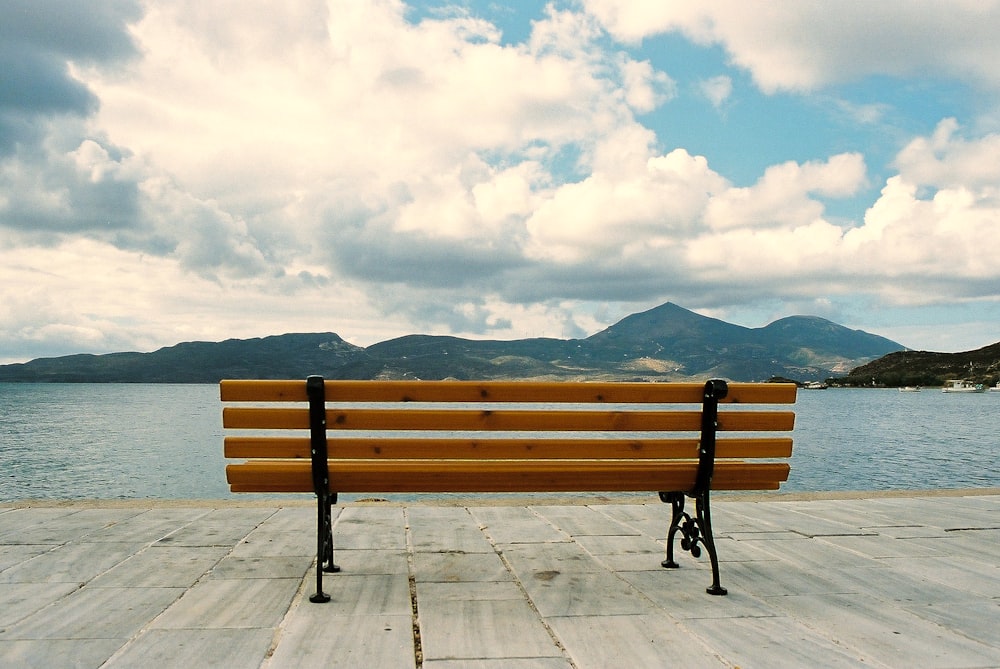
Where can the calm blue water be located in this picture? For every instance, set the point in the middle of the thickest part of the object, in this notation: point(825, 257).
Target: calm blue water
point(109, 441)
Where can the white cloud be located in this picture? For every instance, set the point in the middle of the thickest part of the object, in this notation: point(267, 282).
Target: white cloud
point(647, 201)
point(645, 88)
point(791, 44)
point(947, 160)
point(717, 89)
point(782, 196)
point(282, 127)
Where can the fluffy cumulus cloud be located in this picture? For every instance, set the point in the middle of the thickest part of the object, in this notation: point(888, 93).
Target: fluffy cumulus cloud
point(183, 169)
point(939, 215)
point(792, 44)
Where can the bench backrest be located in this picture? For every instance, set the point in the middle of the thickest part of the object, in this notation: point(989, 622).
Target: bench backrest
point(510, 436)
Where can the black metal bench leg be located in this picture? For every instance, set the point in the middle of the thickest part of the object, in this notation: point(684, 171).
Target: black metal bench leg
point(324, 546)
point(704, 514)
point(676, 501)
point(328, 564)
point(694, 531)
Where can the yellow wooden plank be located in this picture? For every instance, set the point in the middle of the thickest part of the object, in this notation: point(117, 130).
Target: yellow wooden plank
point(754, 447)
point(241, 390)
point(511, 391)
point(501, 391)
point(237, 417)
point(268, 418)
point(761, 393)
point(503, 420)
point(503, 476)
point(755, 421)
point(266, 447)
point(499, 449)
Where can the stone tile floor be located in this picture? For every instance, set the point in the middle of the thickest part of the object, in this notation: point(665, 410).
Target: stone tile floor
point(861, 580)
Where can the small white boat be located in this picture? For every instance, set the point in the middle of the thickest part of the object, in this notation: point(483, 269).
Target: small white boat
point(963, 386)
point(909, 389)
point(996, 388)
point(815, 385)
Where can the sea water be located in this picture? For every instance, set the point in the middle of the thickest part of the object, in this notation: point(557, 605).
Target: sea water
point(126, 441)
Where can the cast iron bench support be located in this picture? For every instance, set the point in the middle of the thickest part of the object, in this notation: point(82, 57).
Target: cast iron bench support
point(694, 531)
point(699, 529)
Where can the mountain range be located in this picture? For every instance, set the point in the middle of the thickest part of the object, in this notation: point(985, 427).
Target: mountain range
point(665, 343)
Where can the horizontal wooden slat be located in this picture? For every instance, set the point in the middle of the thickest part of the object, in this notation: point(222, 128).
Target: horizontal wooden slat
point(511, 391)
point(526, 420)
point(502, 476)
point(761, 393)
point(265, 418)
point(755, 421)
point(263, 391)
point(464, 448)
point(376, 419)
point(266, 447)
point(502, 391)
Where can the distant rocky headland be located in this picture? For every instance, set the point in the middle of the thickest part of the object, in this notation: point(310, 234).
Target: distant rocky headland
point(666, 343)
point(927, 369)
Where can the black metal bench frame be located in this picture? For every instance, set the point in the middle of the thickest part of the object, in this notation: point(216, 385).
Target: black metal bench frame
point(696, 531)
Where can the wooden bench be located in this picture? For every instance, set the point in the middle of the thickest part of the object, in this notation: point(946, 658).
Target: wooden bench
point(329, 437)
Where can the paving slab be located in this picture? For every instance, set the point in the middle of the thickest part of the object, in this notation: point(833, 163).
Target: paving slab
point(48, 653)
point(886, 634)
point(446, 529)
point(70, 563)
point(976, 578)
point(501, 663)
point(367, 594)
point(22, 518)
point(218, 527)
point(162, 567)
point(280, 566)
point(248, 603)
point(370, 527)
point(651, 640)
point(978, 545)
point(464, 629)
point(95, 613)
point(11, 555)
point(651, 519)
point(68, 526)
point(885, 546)
point(149, 526)
point(454, 567)
point(581, 521)
point(976, 620)
point(184, 649)
point(773, 643)
point(312, 638)
point(506, 525)
point(365, 561)
point(20, 600)
point(681, 593)
point(581, 594)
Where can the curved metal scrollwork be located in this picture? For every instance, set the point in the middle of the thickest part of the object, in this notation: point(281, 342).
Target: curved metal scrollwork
point(695, 532)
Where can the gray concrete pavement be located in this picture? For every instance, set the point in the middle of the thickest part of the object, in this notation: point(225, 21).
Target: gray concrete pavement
point(862, 580)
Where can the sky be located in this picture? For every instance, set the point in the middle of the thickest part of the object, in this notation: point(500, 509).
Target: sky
point(184, 170)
